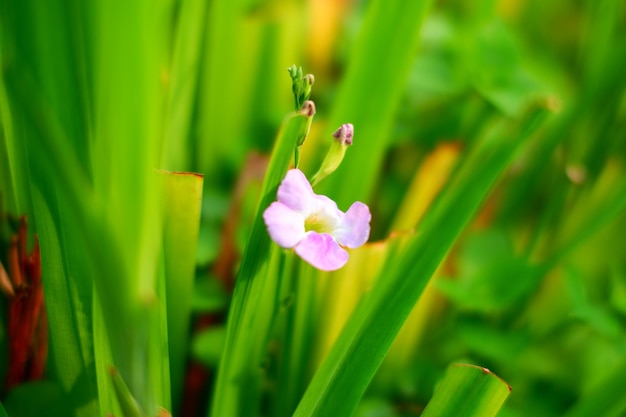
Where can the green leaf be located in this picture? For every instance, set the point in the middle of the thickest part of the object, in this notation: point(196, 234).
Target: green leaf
point(68, 304)
point(184, 79)
point(182, 199)
point(468, 391)
point(252, 307)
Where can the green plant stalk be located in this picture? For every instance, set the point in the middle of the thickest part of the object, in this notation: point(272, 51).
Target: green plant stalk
point(297, 340)
point(346, 372)
point(284, 311)
point(384, 52)
point(248, 319)
point(468, 391)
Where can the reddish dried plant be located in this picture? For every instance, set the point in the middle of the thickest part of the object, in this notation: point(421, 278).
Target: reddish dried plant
point(28, 322)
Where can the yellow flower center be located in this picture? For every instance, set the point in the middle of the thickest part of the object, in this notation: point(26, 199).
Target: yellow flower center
point(316, 224)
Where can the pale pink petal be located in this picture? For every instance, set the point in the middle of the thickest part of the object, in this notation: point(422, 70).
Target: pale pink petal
point(322, 251)
point(355, 228)
point(296, 193)
point(285, 226)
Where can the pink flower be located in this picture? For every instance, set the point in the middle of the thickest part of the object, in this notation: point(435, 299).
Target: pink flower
point(313, 225)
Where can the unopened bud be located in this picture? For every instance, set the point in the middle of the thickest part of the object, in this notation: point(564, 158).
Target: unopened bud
point(344, 134)
point(301, 85)
point(308, 108)
point(335, 154)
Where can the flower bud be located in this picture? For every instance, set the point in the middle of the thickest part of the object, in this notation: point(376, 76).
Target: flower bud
point(343, 138)
point(344, 134)
point(300, 85)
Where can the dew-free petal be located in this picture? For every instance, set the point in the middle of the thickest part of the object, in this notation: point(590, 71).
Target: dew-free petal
point(285, 226)
point(296, 193)
point(355, 229)
point(322, 251)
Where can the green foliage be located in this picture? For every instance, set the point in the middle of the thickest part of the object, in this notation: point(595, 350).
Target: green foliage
point(468, 390)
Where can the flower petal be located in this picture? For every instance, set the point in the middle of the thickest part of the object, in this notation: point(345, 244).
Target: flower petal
point(296, 193)
point(322, 251)
point(355, 229)
point(285, 226)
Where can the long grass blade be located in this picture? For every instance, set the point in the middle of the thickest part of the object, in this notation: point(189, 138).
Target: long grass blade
point(248, 316)
point(182, 201)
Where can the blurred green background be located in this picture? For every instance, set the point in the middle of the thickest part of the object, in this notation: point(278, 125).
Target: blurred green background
point(96, 96)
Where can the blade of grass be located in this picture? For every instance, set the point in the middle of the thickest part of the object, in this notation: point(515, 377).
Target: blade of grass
point(8, 191)
point(183, 199)
point(182, 86)
point(237, 377)
point(343, 377)
point(127, 78)
point(68, 304)
point(38, 65)
point(232, 38)
point(50, 162)
point(297, 339)
point(468, 391)
point(279, 47)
